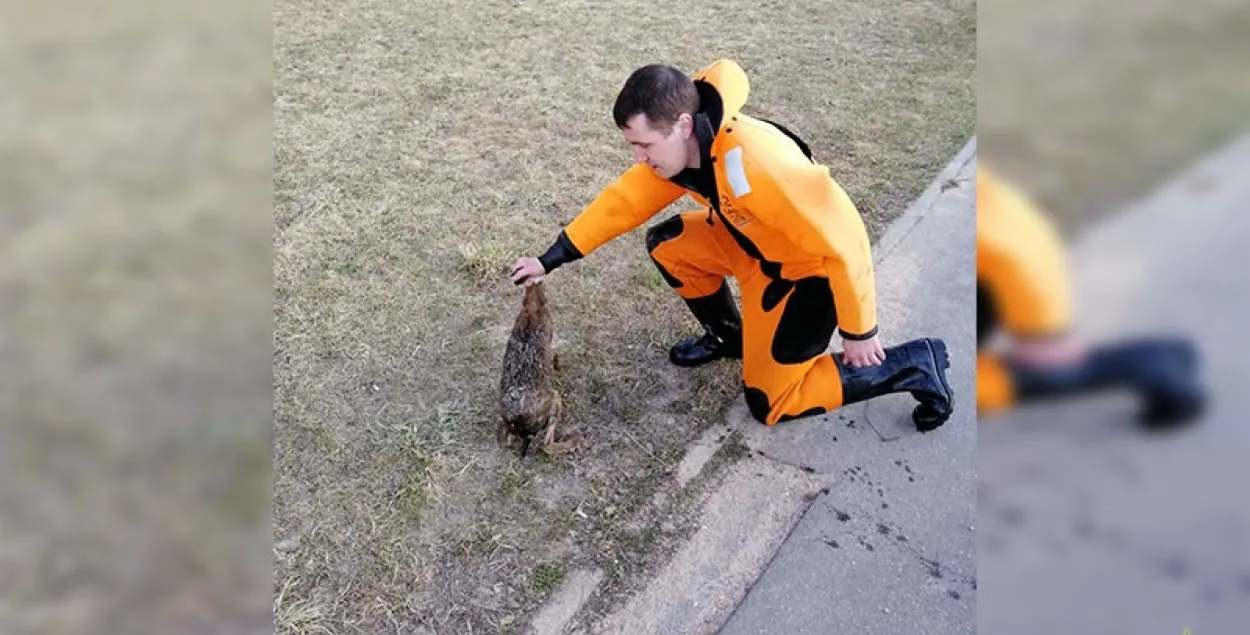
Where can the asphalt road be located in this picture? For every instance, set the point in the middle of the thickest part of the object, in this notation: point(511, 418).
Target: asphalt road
point(1087, 525)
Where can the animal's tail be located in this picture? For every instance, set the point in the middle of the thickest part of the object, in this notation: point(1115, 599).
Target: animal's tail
point(525, 445)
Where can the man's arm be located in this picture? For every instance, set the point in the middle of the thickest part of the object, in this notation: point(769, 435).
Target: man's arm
point(622, 206)
point(800, 200)
point(1022, 262)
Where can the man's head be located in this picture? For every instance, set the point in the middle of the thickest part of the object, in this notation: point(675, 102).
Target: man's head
point(654, 111)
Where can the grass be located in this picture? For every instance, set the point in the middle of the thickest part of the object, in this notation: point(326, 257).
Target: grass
point(419, 149)
point(546, 576)
point(135, 390)
point(1088, 105)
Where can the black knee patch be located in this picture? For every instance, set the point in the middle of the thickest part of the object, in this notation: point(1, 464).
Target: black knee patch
point(807, 323)
point(987, 314)
point(659, 234)
point(664, 232)
point(810, 412)
point(757, 403)
point(774, 293)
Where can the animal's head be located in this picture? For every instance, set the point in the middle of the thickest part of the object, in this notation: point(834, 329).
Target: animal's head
point(535, 297)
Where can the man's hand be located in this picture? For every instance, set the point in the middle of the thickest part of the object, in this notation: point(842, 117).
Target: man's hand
point(1054, 352)
point(528, 270)
point(856, 353)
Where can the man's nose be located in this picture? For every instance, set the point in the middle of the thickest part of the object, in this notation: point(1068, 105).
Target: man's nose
point(640, 156)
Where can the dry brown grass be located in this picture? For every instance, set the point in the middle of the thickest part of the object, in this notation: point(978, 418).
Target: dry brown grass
point(1090, 104)
point(134, 381)
point(421, 148)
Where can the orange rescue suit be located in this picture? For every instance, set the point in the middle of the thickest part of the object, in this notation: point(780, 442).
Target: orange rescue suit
point(1022, 281)
point(779, 224)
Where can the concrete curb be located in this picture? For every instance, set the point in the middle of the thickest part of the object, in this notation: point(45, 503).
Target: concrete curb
point(903, 225)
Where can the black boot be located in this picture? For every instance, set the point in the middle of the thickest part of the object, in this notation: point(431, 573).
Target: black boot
point(1161, 372)
point(918, 367)
point(722, 326)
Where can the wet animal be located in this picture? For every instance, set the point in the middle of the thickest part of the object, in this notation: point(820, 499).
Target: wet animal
point(530, 405)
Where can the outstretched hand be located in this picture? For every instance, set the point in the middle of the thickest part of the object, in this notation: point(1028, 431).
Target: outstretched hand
point(528, 270)
point(857, 353)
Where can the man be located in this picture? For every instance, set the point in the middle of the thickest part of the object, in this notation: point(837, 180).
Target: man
point(1023, 292)
point(772, 218)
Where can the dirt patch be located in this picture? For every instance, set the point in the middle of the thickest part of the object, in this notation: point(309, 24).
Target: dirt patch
point(419, 149)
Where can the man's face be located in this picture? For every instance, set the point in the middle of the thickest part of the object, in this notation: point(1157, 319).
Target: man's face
point(667, 154)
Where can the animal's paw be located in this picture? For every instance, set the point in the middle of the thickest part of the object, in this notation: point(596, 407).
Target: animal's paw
point(563, 447)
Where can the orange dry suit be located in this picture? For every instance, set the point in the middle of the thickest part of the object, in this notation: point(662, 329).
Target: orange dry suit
point(1022, 281)
point(1023, 289)
point(775, 220)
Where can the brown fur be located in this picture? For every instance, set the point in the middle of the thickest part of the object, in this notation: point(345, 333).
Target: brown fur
point(529, 402)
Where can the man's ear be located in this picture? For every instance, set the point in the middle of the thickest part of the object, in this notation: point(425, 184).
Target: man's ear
point(686, 123)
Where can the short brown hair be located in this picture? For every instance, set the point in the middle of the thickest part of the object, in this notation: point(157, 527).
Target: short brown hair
point(659, 91)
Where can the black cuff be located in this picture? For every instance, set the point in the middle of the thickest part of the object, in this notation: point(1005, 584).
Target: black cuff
point(561, 251)
point(854, 337)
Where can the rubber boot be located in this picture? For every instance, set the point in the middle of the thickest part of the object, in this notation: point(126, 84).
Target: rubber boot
point(722, 337)
point(917, 367)
point(1162, 372)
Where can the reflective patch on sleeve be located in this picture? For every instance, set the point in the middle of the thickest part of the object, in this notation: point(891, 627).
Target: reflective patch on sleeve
point(736, 173)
